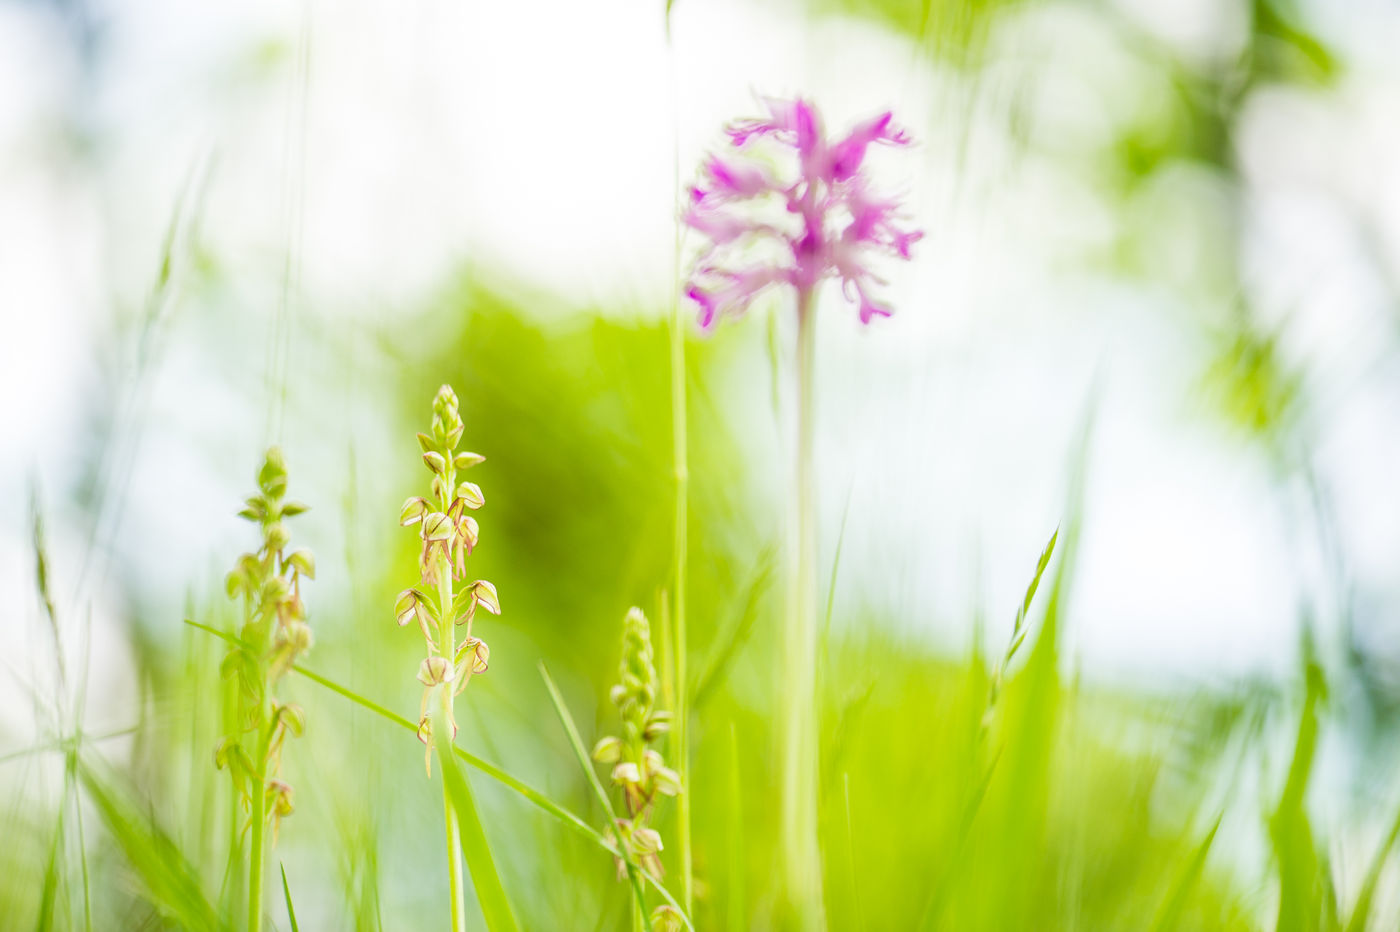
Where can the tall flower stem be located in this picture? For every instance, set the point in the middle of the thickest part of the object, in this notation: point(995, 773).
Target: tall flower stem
point(448, 648)
point(682, 724)
point(800, 855)
point(258, 825)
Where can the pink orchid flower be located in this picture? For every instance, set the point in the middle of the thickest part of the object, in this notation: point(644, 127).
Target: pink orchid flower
point(805, 197)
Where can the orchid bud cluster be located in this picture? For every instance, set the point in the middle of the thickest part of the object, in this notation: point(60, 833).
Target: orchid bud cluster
point(273, 635)
point(636, 766)
point(448, 535)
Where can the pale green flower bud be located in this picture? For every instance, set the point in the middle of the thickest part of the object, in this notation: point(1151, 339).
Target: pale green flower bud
point(466, 460)
point(437, 526)
point(646, 841)
point(277, 536)
point(668, 782)
point(294, 717)
point(486, 596)
point(658, 724)
point(608, 750)
point(408, 604)
point(470, 494)
point(626, 774)
point(272, 477)
point(666, 918)
point(304, 563)
point(434, 670)
point(435, 461)
point(413, 511)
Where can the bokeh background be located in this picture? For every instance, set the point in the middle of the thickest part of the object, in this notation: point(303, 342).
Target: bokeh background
point(1155, 307)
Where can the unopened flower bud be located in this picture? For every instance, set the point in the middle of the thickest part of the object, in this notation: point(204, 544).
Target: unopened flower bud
point(407, 606)
point(434, 670)
point(272, 477)
point(666, 918)
point(668, 782)
point(275, 590)
point(277, 536)
point(426, 442)
point(294, 717)
point(475, 651)
point(608, 750)
point(234, 583)
point(435, 461)
point(304, 563)
point(626, 774)
point(658, 724)
point(446, 400)
point(646, 841)
point(437, 526)
point(256, 509)
point(279, 794)
point(470, 493)
point(413, 511)
point(298, 635)
point(486, 596)
point(466, 460)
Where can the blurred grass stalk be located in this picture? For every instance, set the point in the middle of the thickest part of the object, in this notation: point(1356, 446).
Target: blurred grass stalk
point(681, 551)
point(447, 636)
point(801, 859)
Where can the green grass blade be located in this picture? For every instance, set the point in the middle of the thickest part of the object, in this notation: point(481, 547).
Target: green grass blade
point(534, 796)
point(1361, 912)
point(1301, 895)
point(737, 633)
point(490, 893)
point(50, 889)
point(287, 892)
point(171, 884)
point(586, 762)
point(1170, 917)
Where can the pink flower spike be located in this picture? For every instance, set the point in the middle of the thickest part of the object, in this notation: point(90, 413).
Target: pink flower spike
point(788, 186)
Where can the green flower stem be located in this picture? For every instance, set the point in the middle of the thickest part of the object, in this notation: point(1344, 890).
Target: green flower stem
point(682, 708)
point(447, 648)
point(800, 855)
point(259, 821)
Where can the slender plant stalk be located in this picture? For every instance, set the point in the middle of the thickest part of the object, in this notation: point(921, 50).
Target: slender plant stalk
point(800, 856)
point(680, 452)
point(258, 825)
point(448, 648)
point(682, 681)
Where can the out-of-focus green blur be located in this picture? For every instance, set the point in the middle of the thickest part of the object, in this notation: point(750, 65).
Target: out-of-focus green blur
point(1057, 793)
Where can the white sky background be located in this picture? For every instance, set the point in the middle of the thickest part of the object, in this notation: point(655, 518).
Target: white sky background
point(541, 139)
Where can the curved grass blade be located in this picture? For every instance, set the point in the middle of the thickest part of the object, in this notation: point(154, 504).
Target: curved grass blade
point(490, 893)
point(1361, 912)
point(491, 770)
point(171, 883)
point(1170, 917)
point(586, 763)
point(287, 892)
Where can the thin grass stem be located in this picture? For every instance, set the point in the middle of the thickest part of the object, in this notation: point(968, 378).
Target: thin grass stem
point(799, 854)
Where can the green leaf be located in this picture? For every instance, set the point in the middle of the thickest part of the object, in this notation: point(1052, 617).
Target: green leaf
point(580, 752)
point(491, 770)
point(169, 881)
point(495, 906)
point(287, 892)
point(1170, 917)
